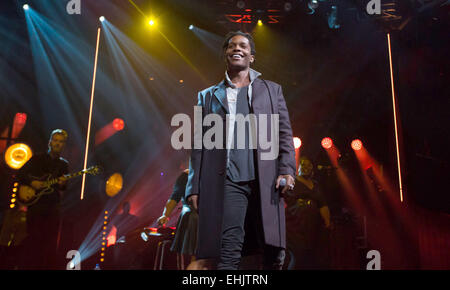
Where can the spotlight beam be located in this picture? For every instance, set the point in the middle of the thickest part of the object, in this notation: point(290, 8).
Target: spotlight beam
point(182, 56)
point(90, 113)
point(137, 7)
point(171, 44)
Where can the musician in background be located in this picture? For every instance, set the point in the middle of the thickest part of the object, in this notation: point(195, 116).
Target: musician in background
point(185, 240)
point(43, 217)
point(307, 215)
point(125, 222)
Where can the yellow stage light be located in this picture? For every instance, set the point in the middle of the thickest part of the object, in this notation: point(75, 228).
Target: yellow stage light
point(114, 184)
point(17, 155)
point(151, 22)
point(260, 22)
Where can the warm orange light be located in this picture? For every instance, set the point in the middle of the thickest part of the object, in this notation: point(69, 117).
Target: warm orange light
point(356, 144)
point(12, 205)
point(20, 118)
point(83, 180)
point(17, 155)
point(399, 168)
point(118, 124)
point(15, 189)
point(297, 142)
point(19, 122)
point(327, 143)
point(114, 184)
point(111, 239)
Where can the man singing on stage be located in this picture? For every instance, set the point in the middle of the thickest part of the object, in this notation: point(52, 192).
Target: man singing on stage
point(237, 191)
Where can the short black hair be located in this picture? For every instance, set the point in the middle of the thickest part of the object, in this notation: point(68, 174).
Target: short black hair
point(232, 34)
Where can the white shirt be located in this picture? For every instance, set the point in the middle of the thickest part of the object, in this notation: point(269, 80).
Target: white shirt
point(232, 93)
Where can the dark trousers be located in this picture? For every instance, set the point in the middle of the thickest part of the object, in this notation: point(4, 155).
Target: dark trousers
point(241, 198)
point(40, 251)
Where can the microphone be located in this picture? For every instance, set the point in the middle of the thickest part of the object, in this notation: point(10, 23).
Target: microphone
point(282, 184)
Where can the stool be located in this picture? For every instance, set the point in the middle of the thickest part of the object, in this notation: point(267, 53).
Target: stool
point(160, 255)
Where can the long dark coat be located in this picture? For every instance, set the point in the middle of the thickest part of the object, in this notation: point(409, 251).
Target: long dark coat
point(207, 169)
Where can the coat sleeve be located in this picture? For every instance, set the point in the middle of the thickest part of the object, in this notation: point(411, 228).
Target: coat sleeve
point(286, 157)
point(179, 188)
point(192, 186)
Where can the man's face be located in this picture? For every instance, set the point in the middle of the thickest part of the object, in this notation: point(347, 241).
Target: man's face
point(57, 143)
point(238, 53)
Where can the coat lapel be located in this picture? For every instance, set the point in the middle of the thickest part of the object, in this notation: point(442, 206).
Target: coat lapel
point(221, 95)
point(259, 97)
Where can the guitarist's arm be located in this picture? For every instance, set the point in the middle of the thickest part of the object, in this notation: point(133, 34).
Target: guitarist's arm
point(25, 173)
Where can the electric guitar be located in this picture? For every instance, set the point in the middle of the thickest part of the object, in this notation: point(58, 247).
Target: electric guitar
point(28, 195)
